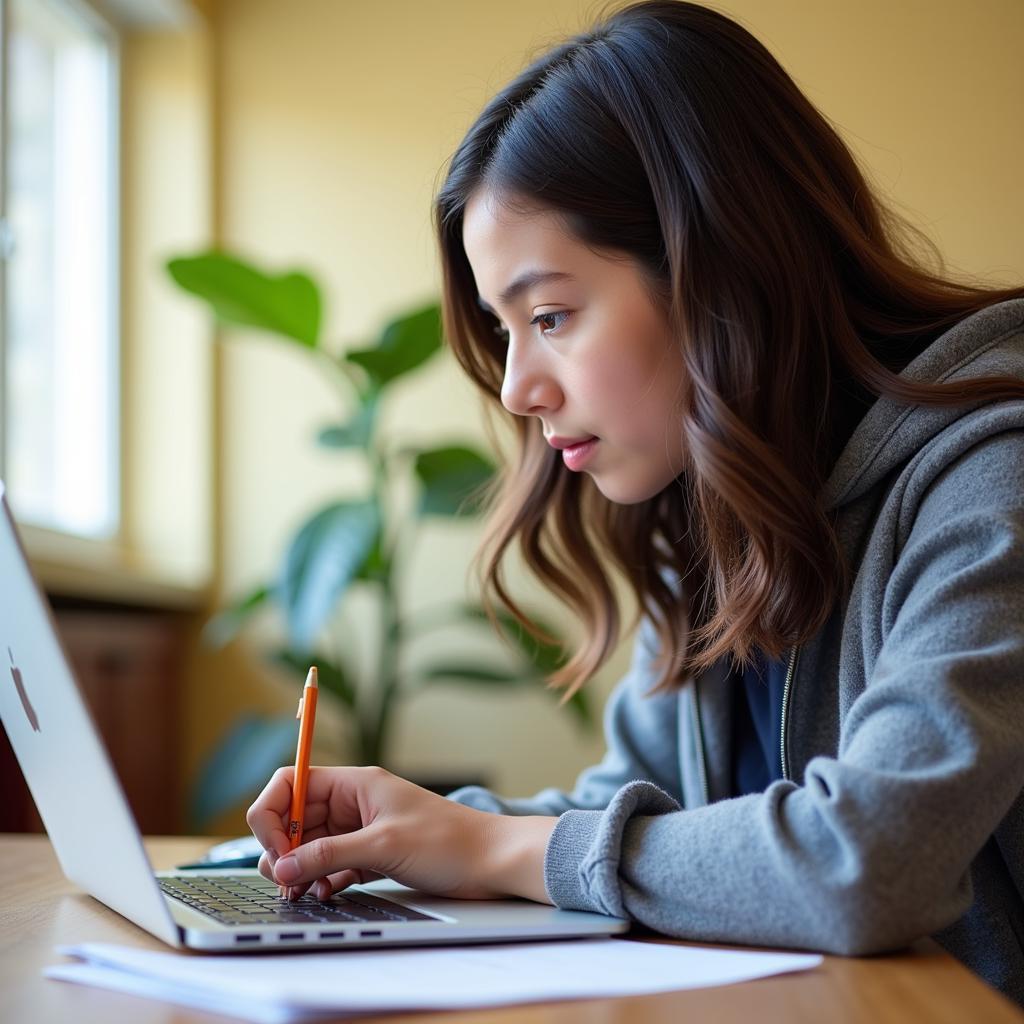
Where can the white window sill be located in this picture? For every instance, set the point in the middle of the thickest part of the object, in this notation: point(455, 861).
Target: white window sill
point(101, 570)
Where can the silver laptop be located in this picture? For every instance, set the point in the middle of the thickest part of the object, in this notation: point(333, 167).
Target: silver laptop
point(99, 847)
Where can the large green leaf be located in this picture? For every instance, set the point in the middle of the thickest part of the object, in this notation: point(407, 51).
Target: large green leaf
point(545, 658)
point(450, 477)
point(331, 676)
point(321, 562)
point(223, 627)
point(376, 566)
point(286, 304)
point(460, 672)
point(481, 675)
point(405, 344)
point(241, 765)
point(542, 658)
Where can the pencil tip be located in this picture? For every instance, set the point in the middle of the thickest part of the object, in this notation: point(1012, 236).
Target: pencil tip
point(311, 678)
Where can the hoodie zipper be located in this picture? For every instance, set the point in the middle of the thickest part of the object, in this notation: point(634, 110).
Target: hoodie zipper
point(785, 712)
point(702, 767)
point(702, 760)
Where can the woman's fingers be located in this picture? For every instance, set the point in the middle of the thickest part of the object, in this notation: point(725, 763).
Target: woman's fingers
point(268, 818)
point(324, 888)
point(329, 795)
point(269, 811)
point(321, 858)
point(265, 866)
point(343, 840)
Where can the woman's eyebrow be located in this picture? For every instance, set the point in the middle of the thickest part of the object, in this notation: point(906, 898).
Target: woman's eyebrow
point(524, 281)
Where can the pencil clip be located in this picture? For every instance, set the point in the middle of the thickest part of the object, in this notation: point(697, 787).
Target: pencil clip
point(298, 714)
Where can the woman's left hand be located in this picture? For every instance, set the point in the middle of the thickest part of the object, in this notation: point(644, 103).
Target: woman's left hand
point(364, 823)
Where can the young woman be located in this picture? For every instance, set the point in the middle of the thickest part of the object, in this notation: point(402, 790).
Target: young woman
point(732, 384)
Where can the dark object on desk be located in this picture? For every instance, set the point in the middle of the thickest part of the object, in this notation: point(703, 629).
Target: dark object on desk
point(243, 852)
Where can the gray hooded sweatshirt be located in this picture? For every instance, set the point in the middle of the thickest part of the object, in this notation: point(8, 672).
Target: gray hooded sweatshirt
point(900, 812)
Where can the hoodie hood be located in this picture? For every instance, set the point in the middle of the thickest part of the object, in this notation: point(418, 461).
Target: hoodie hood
point(987, 343)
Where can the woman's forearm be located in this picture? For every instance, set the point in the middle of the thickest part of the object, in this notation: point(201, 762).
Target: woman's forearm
point(514, 850)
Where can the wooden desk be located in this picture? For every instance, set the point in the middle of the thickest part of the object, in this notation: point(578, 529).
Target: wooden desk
point(40, 909)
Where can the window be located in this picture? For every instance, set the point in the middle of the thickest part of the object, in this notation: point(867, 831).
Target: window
point(59, 347)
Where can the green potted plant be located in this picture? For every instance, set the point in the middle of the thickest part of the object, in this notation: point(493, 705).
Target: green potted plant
point(355, 541)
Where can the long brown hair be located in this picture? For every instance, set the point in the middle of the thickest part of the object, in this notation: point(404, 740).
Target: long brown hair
point(669, 133)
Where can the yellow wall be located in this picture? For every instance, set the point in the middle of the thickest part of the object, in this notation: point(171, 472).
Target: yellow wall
point(167, 209)
point(335, 120)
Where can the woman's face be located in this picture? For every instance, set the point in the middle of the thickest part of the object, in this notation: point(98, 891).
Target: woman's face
point(590, 355)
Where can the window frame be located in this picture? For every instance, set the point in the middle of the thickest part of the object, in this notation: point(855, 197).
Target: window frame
point(142, 564)
point(62, 543)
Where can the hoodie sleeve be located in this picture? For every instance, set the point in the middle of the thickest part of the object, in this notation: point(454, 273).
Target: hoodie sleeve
point(640, 733)
point(873, 849)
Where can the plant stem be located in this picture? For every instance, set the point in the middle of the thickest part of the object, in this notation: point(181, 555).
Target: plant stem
point(391, 639)
point(341, 373)
point(373, 726)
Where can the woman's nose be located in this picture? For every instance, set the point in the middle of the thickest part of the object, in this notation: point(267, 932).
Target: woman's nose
point(528, 389)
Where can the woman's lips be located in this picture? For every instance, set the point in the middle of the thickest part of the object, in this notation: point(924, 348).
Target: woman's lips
point(577, 455)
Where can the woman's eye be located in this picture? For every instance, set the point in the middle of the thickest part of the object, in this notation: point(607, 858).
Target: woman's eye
point(549, 322)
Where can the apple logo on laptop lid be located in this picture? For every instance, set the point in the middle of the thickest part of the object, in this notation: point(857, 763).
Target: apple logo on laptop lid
point(19, 684)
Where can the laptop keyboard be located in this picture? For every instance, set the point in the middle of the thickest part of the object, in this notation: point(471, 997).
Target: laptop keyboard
point(246, 900)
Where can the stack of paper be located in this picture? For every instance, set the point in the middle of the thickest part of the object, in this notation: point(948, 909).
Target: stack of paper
point(278, 989)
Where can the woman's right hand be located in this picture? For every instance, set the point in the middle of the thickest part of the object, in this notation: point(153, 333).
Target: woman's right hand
point(365, 823)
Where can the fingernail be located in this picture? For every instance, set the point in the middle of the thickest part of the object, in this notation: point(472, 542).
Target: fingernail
point(323, 890)
point(287, 869)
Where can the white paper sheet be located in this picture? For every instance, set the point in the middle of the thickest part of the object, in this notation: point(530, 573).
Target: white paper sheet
point(279, 989)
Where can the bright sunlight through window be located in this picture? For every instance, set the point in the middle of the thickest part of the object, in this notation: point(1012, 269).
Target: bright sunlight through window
point(60, 332)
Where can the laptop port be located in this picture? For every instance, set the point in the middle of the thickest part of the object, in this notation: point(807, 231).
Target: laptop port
point(248, 938)
point(332, 935)
point(289, 936)
point(363, 935)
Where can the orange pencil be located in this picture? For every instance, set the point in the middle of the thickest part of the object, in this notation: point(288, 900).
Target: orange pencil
point(306, 712)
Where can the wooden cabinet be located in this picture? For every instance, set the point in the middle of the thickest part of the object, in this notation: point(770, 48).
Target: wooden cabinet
point(128, 664)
